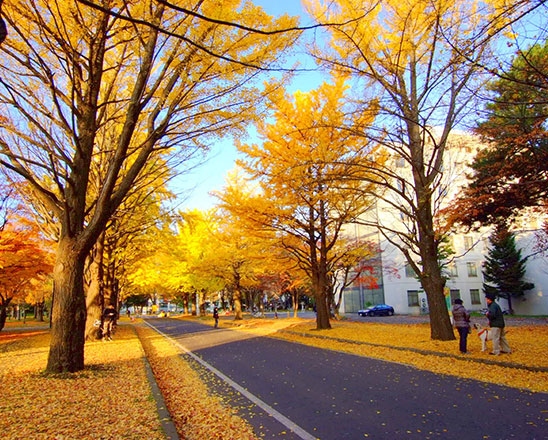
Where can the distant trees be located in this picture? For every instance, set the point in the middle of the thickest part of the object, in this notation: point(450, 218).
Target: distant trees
point(504, 269)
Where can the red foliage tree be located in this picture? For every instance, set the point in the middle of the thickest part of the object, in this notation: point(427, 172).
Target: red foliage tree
point(23, 262)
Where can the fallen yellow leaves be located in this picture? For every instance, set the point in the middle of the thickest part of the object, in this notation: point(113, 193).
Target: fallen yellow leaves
point(529, 345)
point(197, 414)
point(109, 399)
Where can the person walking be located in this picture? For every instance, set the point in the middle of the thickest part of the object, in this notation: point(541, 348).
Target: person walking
point(216, 316)
point(461, 319)
point(109, 319)
point(496, 322)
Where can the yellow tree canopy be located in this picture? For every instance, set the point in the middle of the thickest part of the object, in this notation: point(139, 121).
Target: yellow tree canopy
point(310, 163)
point(309, 168)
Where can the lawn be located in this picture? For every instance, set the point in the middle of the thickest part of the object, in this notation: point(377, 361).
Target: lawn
point(109, 399)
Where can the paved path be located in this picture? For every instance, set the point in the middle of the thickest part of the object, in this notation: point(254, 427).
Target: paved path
point(331, 395)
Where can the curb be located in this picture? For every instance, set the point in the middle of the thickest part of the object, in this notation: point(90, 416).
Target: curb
point(168, 427)
point(426, 352)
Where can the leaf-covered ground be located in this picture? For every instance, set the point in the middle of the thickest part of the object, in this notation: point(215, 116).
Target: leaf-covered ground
point(109, 399)
point(529, 345)
point(197, 414)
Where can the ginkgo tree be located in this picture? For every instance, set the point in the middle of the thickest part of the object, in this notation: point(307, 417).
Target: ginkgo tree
point(300, 167)
point(423, 60)
point(240, 256)
point(80, 81)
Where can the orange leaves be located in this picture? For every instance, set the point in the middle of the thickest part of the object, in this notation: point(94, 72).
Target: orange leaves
point(197, 414)
point(110, 399)
point(22, 260)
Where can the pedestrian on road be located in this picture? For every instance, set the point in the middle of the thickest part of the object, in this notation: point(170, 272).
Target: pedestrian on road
point(461, 319)
point(216, 316)
point(496, 322)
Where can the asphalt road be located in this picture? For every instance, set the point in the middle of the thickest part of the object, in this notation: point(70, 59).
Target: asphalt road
point(331, 395)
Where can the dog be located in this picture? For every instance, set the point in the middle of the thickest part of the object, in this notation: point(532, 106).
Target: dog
point(485, 334)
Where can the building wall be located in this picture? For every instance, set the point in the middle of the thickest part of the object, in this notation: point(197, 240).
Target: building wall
point(470, 249)
point(395, 282)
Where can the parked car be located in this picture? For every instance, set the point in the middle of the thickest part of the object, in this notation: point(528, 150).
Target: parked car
point(378, 310)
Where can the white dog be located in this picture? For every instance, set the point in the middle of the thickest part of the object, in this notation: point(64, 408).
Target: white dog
point(485, 334)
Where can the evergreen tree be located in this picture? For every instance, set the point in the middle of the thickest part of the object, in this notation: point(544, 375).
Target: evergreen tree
point(511, 172)
point(504, 268)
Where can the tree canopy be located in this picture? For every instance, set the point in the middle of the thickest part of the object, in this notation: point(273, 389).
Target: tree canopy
point(82, 85)
point(511, 172)
point(306, 175)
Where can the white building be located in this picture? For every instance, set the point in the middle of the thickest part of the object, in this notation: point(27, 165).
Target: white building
point(397, 284)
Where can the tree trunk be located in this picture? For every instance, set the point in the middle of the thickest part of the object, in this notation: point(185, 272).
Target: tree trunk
point(3, 315)
point(94, 296)
point(322, 312)
point(295, 296)
point(238, 303)
point(320, 275)
point(431, 277)
point(39, 307)
point(66, 352)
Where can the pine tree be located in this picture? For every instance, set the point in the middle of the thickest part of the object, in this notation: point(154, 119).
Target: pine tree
point(504, 268)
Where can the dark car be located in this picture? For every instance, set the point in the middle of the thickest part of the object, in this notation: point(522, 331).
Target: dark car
point(378, 310)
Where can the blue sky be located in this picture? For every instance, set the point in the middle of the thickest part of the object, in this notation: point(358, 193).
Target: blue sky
point(210, 176)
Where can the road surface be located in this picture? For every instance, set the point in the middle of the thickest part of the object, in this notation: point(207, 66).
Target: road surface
point(293, 391)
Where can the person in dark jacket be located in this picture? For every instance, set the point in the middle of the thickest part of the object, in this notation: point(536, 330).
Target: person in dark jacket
point(461, 319)
point(109, 319)
point(496, 322)
point(216, 316)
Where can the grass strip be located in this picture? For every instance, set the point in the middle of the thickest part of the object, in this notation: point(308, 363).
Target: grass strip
point(197, 414)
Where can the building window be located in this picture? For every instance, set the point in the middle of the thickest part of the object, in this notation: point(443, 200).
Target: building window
point(455, 293)
point(472, 269)
point(475, 296)
point(413, 298)
point(409, 272)
point(453, 272)
point(468, 242)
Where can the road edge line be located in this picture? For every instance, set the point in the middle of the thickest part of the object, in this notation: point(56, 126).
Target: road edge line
point(304, 435)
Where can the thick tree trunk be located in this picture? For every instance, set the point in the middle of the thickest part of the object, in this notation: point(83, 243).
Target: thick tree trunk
point(66, 352)
point(94, 294)
point(238, 303)
point(431, 278)
point(322, 311)
point(39, 307)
